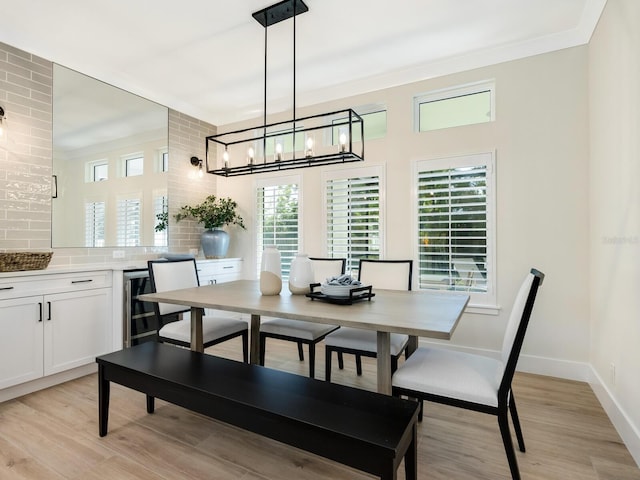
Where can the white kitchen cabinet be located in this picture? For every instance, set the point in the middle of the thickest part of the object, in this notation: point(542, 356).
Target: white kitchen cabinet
point(21, 340)
point(219, 271)
point(78, 329)
point(53, 323)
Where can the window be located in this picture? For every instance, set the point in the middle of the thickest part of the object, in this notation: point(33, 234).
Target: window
point(278, 220)
point(163, 160)
point(94, 224)
point(353, 215)
point(128, 226)
point(454, 107)
point(133, 166)
point(375, 126)
point(456, 232)
point(97, 171)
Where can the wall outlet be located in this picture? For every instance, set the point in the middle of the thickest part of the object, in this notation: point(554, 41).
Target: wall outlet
point(118, 254)
point(193, 251)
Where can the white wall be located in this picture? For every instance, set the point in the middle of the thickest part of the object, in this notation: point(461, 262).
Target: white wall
point(540, 135)
point(614, 78)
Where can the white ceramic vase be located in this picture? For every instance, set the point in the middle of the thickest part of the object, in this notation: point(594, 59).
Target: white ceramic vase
point(301, 274)
point(270, 271)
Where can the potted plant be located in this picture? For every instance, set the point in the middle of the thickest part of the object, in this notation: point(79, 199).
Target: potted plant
point(214, 213)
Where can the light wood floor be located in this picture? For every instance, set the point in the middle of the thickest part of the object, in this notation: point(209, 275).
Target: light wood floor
point(53, 435)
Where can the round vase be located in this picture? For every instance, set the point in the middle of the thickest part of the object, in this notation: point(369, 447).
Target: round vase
point(301, 274)
point(215, 243)
point(270, 272)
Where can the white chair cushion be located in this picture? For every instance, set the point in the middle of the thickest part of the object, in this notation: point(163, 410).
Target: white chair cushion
point(452, 374)
point(365, 340)
point(295, 328)
point(212, 329)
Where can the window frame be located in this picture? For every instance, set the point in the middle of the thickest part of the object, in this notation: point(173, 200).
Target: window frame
point(478, 302)
point(451, 93)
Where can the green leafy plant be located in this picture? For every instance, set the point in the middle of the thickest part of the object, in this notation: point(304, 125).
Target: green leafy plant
point(163, 221)
point(213, 212)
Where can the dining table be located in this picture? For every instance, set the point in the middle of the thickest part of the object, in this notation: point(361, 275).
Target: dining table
point(423, 313)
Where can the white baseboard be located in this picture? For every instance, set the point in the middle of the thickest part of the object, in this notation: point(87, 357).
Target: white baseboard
point(578, 371)
point(46, 382)
point(629, 433)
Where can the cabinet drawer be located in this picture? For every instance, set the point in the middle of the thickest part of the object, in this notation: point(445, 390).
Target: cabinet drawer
point(219, 267)
point(42, 284)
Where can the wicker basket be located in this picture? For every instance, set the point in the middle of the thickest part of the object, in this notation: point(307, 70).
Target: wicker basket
point(17, 261)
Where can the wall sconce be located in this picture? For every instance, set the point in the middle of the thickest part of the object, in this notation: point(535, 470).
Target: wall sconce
point(1, 121)
point(196, 162)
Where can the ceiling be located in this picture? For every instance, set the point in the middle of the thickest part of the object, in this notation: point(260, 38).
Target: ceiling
point(206, 58)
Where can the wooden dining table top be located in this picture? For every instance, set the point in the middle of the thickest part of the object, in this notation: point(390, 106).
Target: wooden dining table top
point(417, 313)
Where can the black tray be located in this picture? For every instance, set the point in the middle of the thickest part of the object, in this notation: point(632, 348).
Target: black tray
point(357, 294)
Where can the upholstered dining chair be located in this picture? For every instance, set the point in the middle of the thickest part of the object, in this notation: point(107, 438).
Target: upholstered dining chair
point(471, 381)
point(303, 333)
point(178, 274)
point(381, 274)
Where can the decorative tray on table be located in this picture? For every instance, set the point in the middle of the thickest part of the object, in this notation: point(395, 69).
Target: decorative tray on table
point(346, 297)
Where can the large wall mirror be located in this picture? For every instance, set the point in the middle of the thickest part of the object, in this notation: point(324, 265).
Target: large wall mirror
point(110, 162)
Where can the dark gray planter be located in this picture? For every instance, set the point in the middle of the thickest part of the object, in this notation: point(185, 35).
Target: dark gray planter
point(215, 243)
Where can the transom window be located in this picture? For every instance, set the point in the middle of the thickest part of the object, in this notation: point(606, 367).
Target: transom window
point(454, 107)
point(133, 166)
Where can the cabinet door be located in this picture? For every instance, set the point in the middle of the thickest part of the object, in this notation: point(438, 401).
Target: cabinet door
point(20, 340)
point(78, 328)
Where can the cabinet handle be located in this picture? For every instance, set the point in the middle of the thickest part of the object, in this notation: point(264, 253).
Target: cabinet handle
point(82, 281)
point(6, 288)
point(228, 266)
point(49, 307)
point(40, 311)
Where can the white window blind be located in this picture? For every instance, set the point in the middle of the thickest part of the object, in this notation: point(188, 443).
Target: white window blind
point(455, 227)
point(128, 226)
point(278, 223)
point(94, 224)
point(353, 219)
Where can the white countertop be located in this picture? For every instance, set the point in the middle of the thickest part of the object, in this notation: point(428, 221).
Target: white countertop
point(92, 267)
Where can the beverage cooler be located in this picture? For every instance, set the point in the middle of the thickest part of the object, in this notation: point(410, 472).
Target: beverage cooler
point(140, 323)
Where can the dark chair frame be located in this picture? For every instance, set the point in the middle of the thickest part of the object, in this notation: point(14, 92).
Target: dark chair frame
point(361, 353)
point(156, 308)
point(300, 341)
point(506, 400)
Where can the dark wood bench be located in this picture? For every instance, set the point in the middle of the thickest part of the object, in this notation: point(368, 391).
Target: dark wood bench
point(364, 430)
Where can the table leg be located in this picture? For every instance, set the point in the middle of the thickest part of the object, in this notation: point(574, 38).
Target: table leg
point(254, 350)
point(384, 362)
point(196, 329)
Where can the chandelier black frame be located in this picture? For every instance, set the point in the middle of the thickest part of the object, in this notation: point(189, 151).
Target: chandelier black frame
point(329, 137)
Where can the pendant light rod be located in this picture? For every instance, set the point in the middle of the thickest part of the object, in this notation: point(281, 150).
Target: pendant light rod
point(336, 129)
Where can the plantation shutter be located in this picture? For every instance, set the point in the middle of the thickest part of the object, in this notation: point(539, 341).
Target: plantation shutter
point(128, 223)
point(277, 209)
point(353, 219)
point(94, 213)
point(452, 227)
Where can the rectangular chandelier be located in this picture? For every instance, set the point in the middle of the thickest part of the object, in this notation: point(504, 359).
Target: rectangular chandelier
point(323, 139)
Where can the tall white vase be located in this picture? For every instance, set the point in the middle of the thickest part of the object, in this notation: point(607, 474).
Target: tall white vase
point(301, 274)
point(270, 271)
